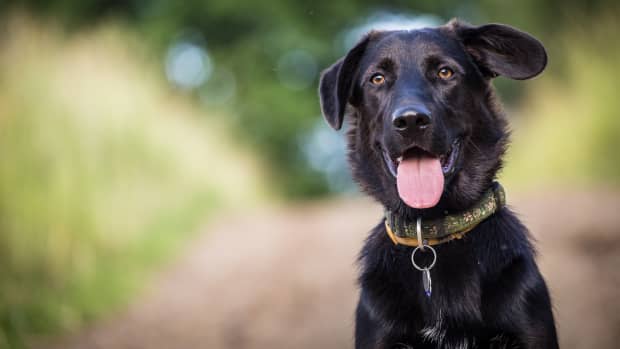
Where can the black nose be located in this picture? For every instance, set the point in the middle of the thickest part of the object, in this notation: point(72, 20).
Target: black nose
point(410, 119)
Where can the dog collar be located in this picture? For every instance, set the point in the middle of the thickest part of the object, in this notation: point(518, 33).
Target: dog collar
point(453, 226)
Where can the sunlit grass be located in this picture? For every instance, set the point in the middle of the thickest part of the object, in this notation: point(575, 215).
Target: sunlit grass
point(103, 173)
point(568, 130)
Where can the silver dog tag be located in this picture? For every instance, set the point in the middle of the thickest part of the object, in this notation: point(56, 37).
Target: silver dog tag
point(426, 281)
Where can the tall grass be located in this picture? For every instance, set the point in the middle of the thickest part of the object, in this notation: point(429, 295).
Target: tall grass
point(103, 172)
point(568, 130)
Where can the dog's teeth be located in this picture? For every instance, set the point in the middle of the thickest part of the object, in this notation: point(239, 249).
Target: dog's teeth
point(399, 159)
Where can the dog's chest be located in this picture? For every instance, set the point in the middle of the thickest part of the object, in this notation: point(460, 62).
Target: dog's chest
point(439, 333)
point(439, 320)
point(434, 332)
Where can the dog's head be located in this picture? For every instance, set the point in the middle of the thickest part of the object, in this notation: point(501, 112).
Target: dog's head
point(426, 135)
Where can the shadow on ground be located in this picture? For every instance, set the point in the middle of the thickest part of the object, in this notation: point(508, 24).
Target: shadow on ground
point(285, 278)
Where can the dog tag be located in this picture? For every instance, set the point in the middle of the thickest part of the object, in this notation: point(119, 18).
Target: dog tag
point(426, 281)
point(426, 271)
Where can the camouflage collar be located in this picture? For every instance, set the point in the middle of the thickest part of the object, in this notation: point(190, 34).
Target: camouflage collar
point(453, 226)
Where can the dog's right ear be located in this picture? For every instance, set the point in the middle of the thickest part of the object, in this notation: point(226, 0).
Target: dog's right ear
point(336, 83)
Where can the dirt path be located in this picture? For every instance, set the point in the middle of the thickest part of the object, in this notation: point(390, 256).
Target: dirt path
point(284, 278)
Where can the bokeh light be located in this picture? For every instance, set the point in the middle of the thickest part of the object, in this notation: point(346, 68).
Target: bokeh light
point(297, 69)
point(187, 65)
point(325, 150)
point(382, 20)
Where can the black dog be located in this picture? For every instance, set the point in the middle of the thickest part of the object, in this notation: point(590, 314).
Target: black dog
point(426, 140)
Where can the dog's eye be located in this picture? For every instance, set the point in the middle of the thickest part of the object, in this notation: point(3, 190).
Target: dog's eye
point(445, 73)
point(377, 79)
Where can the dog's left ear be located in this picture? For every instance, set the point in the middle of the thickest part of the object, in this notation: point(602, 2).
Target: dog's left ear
point(336, 83)
point(502, 50)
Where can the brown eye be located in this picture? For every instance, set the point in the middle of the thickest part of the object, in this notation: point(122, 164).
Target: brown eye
point(377, 79)
point(445, 73)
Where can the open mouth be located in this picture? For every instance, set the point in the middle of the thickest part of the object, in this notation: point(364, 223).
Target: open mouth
point(420, 175)
point(447, 160)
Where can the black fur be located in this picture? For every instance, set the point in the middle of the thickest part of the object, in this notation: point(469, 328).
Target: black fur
point(487, 290)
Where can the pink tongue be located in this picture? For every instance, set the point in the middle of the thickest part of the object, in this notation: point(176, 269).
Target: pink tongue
point(420, 181)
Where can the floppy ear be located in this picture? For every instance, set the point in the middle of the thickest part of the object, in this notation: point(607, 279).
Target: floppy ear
point(502, 50)
point(336, 84)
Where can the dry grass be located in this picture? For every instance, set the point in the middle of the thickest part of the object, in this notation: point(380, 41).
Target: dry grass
point(104, 172)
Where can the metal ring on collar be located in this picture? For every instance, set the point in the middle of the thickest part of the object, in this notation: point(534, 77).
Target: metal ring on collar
point(415, 265)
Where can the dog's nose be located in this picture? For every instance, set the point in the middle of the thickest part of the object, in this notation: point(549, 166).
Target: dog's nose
point(411, 119)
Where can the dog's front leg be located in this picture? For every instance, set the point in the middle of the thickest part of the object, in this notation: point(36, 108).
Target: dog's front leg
point(528, 314)
point(538, 330)
point(519, 306)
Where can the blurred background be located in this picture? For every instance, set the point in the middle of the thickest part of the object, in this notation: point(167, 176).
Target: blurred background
point(167, 180)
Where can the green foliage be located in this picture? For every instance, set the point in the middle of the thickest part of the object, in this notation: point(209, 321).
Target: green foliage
point(104, 173)
point(247, 38)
